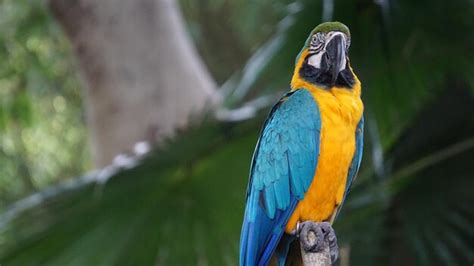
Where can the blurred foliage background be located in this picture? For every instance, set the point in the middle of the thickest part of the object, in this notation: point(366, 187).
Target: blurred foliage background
point(42, 132)
point(411, 204)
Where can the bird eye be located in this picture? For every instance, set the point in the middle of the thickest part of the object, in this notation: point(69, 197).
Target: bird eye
point(317, 41)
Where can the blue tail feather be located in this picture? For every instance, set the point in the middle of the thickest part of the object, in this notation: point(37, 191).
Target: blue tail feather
point(260, 237)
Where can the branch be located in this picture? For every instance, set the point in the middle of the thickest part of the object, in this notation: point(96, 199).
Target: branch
point(142, 74)
point(318, 244)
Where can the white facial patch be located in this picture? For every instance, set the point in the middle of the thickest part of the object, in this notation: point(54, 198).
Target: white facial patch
point(315, 60)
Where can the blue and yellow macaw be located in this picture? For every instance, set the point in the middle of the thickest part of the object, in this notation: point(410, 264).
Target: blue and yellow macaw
point(309, 150)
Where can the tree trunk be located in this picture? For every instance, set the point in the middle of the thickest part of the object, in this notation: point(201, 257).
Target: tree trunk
point(143, 77)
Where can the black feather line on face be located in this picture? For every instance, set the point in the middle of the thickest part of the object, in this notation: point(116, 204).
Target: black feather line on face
point(321, 77)
point(345, 78)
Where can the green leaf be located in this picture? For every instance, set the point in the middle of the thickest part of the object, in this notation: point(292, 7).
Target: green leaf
point(173, 203)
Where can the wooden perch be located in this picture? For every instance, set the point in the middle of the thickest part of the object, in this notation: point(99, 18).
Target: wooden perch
point(318, 244)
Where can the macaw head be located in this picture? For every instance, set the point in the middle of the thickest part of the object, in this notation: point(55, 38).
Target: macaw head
point(324, 59)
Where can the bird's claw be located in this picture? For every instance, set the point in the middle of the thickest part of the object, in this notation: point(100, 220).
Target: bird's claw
point(315, 236)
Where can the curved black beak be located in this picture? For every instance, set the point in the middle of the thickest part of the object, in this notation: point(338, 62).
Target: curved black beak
point(336, 54)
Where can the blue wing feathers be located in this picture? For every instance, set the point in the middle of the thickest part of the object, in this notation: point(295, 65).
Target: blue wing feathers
point(282, 169)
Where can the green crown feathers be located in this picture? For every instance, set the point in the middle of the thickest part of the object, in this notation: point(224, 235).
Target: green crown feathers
point(327, 27)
